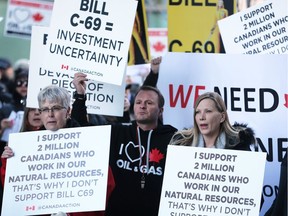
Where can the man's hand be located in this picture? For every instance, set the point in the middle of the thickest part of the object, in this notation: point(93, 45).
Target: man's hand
point(155, 64)
point(126, 104)
point(79, 82)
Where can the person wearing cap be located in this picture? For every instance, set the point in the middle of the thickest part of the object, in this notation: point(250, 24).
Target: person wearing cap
point(6, 74)
point(6, 83)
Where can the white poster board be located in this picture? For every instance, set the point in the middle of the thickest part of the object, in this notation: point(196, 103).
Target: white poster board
point(260, 29)
point(23, 14)
point(158, 41)
point(205, 181)
point(92, 37)
point(102, 98)
point(254, 88)
point(64, 171)
point(17, 119)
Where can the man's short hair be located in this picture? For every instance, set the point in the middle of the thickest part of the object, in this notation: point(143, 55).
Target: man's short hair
point(161, 100)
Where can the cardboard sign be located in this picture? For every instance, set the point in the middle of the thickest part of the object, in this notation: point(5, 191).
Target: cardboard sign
point(259, 29)
point(92, 37)
point(102, 98)
point(64, 171)
point(23, 14)
point(205, 181)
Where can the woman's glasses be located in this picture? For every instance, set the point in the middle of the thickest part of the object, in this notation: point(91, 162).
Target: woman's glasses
point(54, 109)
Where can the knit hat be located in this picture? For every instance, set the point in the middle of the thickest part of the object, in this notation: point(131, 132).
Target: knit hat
point(4, 64)
point(21, 64)
point(21, 74)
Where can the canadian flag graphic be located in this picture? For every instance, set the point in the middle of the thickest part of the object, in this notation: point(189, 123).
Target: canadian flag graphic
point(30, 208)
point(66, 67)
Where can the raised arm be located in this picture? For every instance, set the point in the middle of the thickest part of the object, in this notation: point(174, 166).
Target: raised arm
point(152, 77)
point(79, 109)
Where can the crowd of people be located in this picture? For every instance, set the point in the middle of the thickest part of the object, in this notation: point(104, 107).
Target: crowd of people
point(134, 191)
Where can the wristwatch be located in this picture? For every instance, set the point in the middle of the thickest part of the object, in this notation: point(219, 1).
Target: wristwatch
point(79, 96)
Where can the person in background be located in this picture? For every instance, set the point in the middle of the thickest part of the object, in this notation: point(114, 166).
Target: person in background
point(152, 77)
point(21, 64)
point(31, 122)
point(5, 96)
point(120, 119)
point(279, 205)
point(137, 152)
point(5, 85)
point(130, 90)
point(7, 74)
point(17, 104)
point(54, 109)
point(221, 13)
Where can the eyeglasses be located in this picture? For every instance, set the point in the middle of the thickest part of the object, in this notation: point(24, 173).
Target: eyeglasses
point(20, 83)
point(54, 109)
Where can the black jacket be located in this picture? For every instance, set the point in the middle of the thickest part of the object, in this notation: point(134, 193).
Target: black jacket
point(134, 156)
point(279, 205)
point(129, 151)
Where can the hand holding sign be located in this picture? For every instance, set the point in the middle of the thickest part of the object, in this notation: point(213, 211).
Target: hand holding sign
point(211, 182)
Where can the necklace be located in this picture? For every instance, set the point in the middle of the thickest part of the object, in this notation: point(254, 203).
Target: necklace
point(142, 162)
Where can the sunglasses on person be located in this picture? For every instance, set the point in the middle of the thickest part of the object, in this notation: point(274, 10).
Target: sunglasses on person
point(20, 83)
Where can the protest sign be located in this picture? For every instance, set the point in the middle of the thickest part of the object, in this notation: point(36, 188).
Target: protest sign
point(17, 119)
point(64, 171)
point(92, 37)
point(253, 87)
point(260, 29)
point(158, 41)
point(193, 25)
point(23, 14)
point(208, 182)
point(102, 98)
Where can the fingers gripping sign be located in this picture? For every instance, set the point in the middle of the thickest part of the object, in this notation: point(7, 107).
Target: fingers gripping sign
point(79, 82)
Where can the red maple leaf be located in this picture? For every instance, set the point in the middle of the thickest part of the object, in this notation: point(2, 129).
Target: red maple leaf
point(155, 156)
point(37, 17)
point(158, 46)
point(286, 100)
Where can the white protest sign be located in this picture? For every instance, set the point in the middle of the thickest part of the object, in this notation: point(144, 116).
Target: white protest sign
point(102, 98)
point(253, 87)
point(158, 41)
point(23, 14)
point(66, 171)
point(260, 29)
point(92, 37)
point(208, 182)
point(17, 119)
